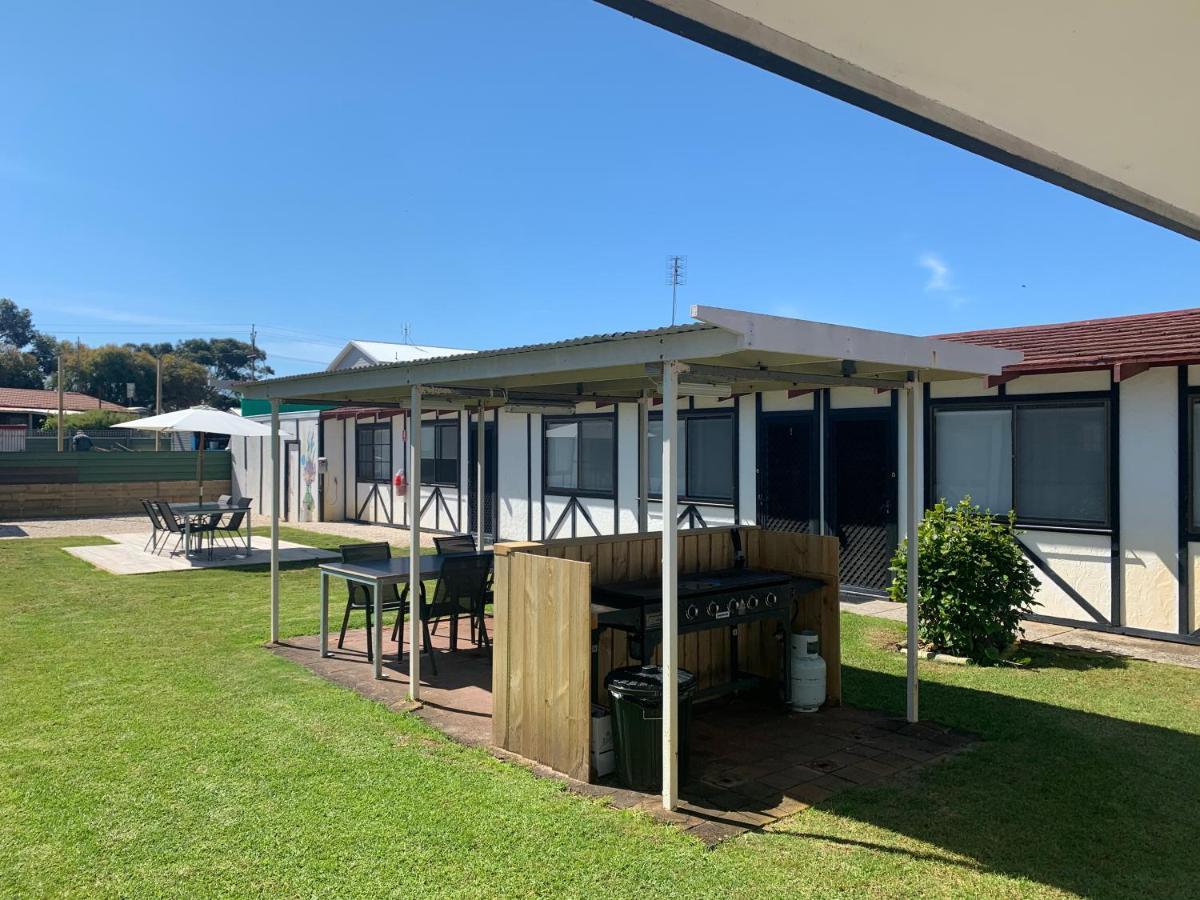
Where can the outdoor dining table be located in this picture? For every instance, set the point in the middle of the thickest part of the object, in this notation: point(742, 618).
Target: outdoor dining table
point(375, 576)
point(190, 512)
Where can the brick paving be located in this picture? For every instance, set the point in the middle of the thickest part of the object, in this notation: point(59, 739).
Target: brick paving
point(753, 763)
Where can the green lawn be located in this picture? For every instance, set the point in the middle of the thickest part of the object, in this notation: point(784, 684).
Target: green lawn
point(149, 745)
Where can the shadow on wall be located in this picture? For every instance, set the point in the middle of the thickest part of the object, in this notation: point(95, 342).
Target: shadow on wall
point(1077, 801)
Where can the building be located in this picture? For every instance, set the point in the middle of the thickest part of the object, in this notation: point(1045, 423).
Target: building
point(30, 407)
point(1089, 439)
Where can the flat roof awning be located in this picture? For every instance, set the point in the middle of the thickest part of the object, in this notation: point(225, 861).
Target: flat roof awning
point(1099, 98)
point(732, 349)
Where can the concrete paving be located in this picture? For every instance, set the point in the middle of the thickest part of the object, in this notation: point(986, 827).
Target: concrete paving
point(1055, 635)
point(126, 556)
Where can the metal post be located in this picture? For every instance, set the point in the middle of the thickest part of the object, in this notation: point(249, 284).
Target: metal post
point(275, 521)
point(910, 517)
point(414, 545)
point(158, 399)
point(60, 402)
point(643, 463)
point(324, 614)
point(670, 593)
point(479, 447)
point(376, 635)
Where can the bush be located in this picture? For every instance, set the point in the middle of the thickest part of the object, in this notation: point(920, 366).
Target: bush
point(974, 581)
point(92, 418)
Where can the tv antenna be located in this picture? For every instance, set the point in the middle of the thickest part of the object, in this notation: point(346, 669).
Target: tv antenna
point(406, 333)
point(676, 277)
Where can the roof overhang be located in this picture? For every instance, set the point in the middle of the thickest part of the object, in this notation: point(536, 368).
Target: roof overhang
point(1097, 98)
point(743, 352)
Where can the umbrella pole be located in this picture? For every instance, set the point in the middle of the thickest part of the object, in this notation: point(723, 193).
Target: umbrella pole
point(200, 468)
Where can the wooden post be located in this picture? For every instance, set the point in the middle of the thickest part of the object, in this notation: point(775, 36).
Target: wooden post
point(910, 517)
point(414, 545)
point(670, 593)
point(479, 469)
point(643, 463)
point(274, 521)
point(157, 399)
point(60, 402)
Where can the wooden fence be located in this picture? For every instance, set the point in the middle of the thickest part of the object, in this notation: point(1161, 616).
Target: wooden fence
point(542, 684)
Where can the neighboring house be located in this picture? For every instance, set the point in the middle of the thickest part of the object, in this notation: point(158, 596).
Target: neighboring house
point(1090, 439)
point(302, 447)
point(30, 406)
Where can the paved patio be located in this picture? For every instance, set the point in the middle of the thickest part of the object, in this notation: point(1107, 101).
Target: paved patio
point(752, 762)
point(126, 556)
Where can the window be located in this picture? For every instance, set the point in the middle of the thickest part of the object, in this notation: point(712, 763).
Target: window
point(1194, 406)
point(373, 452)
point(439, 453)
point(704, 454)
point(579, 454)
point(1047, 460)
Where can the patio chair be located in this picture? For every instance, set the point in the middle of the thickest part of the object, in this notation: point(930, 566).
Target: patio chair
point(455, 543)
point(461, 590)
point(232, 525)
point(176, 527)
point(358, 596)
point(156, 524)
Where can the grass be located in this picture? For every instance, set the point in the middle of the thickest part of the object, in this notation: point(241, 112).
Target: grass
point(150, 745)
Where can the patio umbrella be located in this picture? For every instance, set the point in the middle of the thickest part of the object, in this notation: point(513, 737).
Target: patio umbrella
point(203, 420)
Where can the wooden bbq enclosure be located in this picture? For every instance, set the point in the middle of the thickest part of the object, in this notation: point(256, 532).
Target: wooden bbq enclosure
point(543, 683)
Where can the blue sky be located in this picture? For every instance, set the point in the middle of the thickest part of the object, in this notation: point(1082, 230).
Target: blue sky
point(495, 174)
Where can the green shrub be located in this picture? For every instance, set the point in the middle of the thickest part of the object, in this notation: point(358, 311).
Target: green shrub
point(92, 418)
point(974, 581)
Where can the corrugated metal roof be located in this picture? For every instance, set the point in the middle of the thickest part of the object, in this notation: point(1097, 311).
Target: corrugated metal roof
point(33, 398)
point(1156, 339)
point(522, 348)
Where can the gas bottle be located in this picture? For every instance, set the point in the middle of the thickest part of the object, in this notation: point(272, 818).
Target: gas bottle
point(808, 672)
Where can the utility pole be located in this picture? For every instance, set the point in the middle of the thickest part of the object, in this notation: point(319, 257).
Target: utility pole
point(676, 276)
point(158, 399)
point(60, 400)
point(253, 353)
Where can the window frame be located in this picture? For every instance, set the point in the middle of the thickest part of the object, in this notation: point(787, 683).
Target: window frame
point(551, 420)
point(685, 415)
point(1191, 397)
point(1072, 400)
point(373, 428)
point(439, 425)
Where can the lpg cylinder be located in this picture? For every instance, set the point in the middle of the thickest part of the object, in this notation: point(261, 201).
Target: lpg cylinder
point(808, 672)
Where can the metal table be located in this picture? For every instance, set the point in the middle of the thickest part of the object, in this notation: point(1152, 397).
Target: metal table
point(376, 575)
point(190, 511)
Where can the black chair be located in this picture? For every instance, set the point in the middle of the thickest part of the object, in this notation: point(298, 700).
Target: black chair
point(156, 524)
point(232, 525)
point(454, 543)
point(461, 590)
point(358, 596)
point(175, 526)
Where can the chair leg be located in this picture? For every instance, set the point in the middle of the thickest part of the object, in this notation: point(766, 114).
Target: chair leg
point(342, 633)
point(429, 646)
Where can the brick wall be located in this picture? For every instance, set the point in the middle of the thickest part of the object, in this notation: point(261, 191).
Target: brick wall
point(34, 501)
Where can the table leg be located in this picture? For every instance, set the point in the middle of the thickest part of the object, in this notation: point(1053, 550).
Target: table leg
point(324, 615)
point(377, 636)
point(187, 536)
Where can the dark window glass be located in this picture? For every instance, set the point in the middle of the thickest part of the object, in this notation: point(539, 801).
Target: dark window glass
point(373, 452)
point(439, 453)
point(704, 455)
point(1062, 463)
point(1195, 468)
point(579, 454)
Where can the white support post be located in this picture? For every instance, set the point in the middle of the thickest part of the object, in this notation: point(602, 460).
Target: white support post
point(479, 447)
point(911, 420)
point(274, 521)
point(643, 463)
point(414, 545)
point(670, 593)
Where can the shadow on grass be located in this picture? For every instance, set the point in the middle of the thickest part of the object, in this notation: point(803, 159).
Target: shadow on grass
point(1082, 802)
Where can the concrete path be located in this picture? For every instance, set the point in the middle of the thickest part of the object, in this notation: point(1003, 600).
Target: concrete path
point(126, 556)
point(1055, 635)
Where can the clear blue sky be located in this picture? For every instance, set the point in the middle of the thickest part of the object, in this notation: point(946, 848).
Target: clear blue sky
point(496, 174)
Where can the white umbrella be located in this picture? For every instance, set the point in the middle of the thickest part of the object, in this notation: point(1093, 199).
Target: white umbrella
point(204, 420)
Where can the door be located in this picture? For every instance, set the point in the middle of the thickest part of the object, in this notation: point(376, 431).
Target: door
point(489, 480)
point(291, 479)
point(861, 494)
point(787, 472)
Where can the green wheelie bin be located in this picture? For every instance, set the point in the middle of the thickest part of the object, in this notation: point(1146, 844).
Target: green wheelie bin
point(637, 702)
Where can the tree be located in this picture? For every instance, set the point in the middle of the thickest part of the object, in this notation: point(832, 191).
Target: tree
point(16, 324)
point(19, 370)
point(185, 383)
point(45, 349)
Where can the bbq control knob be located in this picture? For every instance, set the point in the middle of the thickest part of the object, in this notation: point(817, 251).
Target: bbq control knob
point(772, 600)
point(752, 602)
point(692, 612)
point(736, 606)
point(713, 609)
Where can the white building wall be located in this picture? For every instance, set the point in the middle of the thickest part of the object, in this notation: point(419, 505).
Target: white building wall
point(1083, 562)
point(627, 467)
point(513, 481)
point(1150, 499)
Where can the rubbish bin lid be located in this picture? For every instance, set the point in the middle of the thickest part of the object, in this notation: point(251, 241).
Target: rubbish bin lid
point(646, 683)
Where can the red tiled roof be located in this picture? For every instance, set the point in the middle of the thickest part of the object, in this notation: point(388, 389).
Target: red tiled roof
point(31, 398)
point(1131, 342)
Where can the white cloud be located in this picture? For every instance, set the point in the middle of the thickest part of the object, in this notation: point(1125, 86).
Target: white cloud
point(940, 276)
